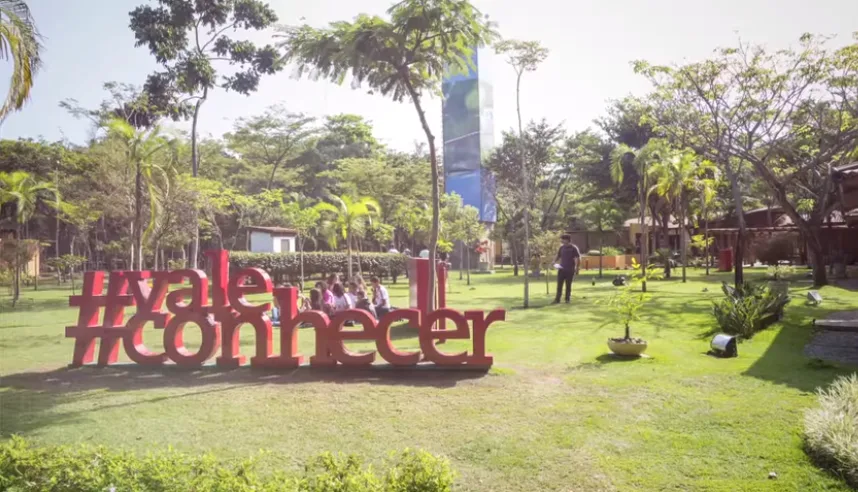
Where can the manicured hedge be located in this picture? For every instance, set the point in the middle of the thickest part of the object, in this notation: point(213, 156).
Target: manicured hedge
point(24, 467)
point(287, 265)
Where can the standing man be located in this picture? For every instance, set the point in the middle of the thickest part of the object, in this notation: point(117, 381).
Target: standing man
point(568, 257)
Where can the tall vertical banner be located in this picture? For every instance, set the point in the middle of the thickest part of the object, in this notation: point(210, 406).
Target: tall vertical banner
point(468, 132)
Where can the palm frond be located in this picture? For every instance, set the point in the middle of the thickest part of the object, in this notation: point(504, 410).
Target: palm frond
point(20, 42)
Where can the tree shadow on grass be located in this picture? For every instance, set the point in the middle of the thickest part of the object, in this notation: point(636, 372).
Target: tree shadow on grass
point(784, 361)
point(29, 401)
point(27, 304)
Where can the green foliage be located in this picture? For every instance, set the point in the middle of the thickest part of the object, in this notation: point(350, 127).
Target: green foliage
point(776, 249)
point(701, 242)
point(628, 301)
point(316, 263)
point(188, 37)
point(24, 467)
point(831, 429)
point(20, 43)
point(780, 272)
point(613, 251)
point(749, 308)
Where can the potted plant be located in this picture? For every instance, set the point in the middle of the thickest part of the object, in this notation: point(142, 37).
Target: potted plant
point(627, 303)
point(779, 277)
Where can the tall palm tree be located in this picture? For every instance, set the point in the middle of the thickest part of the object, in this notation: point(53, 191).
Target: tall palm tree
point(675, 177)
point(19, 42)
point(641, 160)
point(141, 148)
point(25, 192)
point(403, 57)
point(347, 218)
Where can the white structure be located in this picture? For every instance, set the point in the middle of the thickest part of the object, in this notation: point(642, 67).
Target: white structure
point(271, 240)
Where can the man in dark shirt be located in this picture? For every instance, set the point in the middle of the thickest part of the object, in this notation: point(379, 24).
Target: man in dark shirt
point(568, 257)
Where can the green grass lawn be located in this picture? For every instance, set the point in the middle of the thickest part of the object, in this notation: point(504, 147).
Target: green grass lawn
point(555, 412)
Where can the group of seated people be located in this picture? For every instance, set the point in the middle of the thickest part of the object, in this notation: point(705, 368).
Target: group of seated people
point(332, 297)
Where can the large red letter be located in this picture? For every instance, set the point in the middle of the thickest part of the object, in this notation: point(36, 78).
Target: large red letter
point(149, 303)
point(480, 323)
point(175, 347)
point(261, 284)
point(428, 337)
point(382, 337)
point(337, 335)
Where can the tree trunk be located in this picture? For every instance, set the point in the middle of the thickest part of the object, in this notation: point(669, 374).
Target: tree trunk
point(524, 187)
point(601, 247)
point(271, 178)
point(349, 249)
point(195, 171)
point(138, 213)
point(301, 283)
point(469, 267)
point(682, 232)
point(436, 198)
point(16, 291)
point(739, 259)
point(706, 234)
point(644, 238)
point(461, 259)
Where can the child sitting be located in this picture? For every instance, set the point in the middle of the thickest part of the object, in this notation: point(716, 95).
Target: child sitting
point(364, 303)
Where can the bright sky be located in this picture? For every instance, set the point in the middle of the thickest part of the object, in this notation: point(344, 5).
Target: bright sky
point(591, 43)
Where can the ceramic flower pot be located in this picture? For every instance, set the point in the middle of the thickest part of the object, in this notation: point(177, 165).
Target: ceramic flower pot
point(621, 346)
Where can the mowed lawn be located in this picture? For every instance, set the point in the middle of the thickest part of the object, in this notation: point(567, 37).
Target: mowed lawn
point(555, 412)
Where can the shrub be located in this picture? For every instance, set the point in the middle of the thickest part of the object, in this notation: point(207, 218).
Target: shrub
point(87, 469)
point(288, 265)
point(748, 309)
point(831, 430)
point(607, 251)
point(780, 272)
point(775, 250)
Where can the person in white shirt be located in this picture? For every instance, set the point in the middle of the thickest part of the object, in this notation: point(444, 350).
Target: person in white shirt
point(341, 302)
point(380, 297)
point(352, 293)
point(393, 249)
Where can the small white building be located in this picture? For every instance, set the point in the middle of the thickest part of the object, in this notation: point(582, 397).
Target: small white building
point(271, 240)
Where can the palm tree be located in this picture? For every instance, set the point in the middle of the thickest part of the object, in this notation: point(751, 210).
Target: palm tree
point(141, 147)
point(641, 160)
point(403, 57)
point(603, 214)
point(19, 41)
point(25, 192)
point(347, 218)
point(674, 178)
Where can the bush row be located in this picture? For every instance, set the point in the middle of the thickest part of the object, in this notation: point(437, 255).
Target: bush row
point(831, 430)
point(288, 265)
point(749, 309)
point(24, 467)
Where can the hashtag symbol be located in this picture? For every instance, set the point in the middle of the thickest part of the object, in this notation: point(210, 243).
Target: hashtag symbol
point(88, 329)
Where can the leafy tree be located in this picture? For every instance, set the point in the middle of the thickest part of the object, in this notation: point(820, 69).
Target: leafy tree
point(187, 38)
point(602, 215)
point(545, 250)
point(273, 139)
point(305, 221)
point(523, 56)
point(343, 136)
point(674, 178)
point(25, 193)
point(128, 102)
point(347, 218)
point(19, 41)
point(402, 57)
point(640, 162)
point(141, 148)
point(791, 115)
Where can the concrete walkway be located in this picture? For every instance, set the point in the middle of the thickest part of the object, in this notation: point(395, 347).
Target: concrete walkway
point(835, 342)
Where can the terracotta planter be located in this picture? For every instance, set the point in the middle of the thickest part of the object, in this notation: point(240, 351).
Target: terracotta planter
point(627, 347)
